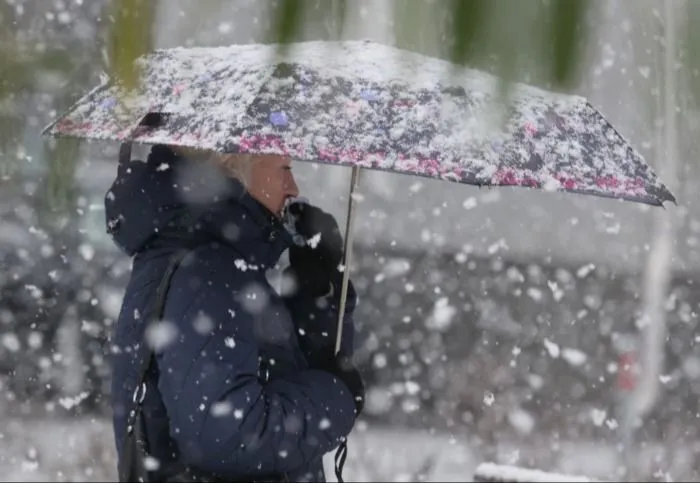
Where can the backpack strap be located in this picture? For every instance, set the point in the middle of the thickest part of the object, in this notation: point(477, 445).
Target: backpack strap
point(156, 315)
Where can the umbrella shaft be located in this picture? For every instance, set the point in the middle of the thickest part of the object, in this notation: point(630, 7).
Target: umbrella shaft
point(347, 254)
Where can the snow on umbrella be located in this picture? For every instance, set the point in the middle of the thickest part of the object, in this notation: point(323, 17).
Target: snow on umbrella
point(358, 103)
point(366, 105)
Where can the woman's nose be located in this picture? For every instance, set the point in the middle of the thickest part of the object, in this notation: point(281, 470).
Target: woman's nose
point(291, 187)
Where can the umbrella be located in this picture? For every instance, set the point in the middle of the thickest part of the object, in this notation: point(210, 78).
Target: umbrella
point(366, 105)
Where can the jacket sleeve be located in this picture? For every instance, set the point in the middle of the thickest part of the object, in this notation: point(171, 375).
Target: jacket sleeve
point(223, 418)
point(316, 321)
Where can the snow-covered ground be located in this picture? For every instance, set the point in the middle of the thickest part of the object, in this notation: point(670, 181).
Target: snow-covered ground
point(82, 450)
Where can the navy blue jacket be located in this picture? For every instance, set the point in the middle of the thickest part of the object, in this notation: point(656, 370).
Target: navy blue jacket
point(235, 392)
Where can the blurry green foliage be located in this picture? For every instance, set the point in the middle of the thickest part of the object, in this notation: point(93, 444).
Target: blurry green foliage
point(38, 74)
point(692, 46)
point(566, 36)
point(474, 32)
point(131, 36)
point(548, 33)
point(469, 18)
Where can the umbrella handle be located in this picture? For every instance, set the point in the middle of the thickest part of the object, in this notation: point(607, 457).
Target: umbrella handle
point(347, 254)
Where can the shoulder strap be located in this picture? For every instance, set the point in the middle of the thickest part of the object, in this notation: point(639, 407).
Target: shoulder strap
point(155, 316)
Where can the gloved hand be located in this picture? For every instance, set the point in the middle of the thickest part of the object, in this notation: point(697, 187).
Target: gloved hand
point(343, 368)
point(315, 266)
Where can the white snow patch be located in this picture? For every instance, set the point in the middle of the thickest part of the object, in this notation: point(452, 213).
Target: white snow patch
point(494, 472)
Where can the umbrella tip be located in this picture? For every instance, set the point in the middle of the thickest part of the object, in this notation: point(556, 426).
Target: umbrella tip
point(669, 198)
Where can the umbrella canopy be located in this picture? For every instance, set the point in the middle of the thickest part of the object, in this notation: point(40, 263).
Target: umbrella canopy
point(363, 104)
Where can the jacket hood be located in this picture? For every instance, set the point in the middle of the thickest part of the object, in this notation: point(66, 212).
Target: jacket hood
point(169, 200)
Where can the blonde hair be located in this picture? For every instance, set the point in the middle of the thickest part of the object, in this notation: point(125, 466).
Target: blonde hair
point(236, 165)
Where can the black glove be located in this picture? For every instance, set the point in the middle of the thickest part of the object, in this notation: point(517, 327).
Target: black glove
point(315, 266)
point(343, 368)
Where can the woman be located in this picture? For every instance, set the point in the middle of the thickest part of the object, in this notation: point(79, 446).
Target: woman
point(246, 384)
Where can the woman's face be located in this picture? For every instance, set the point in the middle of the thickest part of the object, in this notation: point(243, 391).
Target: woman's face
point(271, 181)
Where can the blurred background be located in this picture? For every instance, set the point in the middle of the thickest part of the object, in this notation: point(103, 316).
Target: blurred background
point(540, 329)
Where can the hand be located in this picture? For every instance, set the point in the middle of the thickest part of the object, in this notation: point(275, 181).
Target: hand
point(321, 232)
point(315, 265)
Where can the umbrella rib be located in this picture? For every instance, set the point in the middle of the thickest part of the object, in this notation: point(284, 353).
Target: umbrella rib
point(87, 97)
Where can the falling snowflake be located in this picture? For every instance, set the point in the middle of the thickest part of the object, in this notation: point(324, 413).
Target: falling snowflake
point(71, 402)
point(469, 203)
point(585, 270)
point(151, 463)
point(11, 342)
point(222, 408)
point(556, 291)
point(314, 240)
point(574, 357)
point(552, 348)
point(598, 416)
point(161, 334)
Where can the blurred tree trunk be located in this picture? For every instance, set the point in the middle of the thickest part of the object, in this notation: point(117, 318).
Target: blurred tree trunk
point(659, 269)
point(32, 50)
point(131, 36)
point(72, 377)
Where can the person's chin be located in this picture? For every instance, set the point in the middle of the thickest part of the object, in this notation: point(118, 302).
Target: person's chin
point(276, 212)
